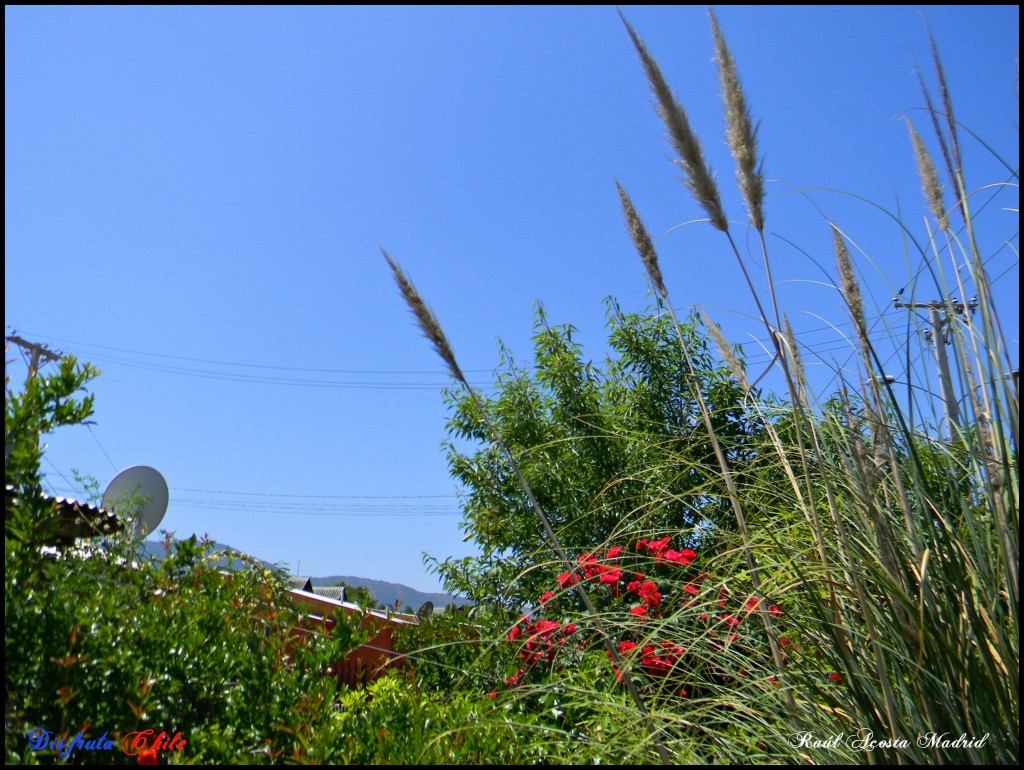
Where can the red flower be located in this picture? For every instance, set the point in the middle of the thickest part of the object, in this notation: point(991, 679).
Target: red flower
point(655, 664)
point(610, 576)
point(633, 587)
point(691, 589)
point(569, 629)
point(545, 627)
point(834, 677)
point(515, 633)
point(657, 546)
point(773, 610)
point(547, 596)
point(614, 552)
point(567, 579)
point(148, 757)
point(730, 620)
point(589, 564)
point(682, 558)
point(649, 592)
point(639, 610)
point(752, 603)
point(625, 647)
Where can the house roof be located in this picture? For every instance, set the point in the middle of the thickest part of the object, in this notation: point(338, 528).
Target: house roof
point(301, 583)
point(326, 605)
point(76, 519)
point(333, 592)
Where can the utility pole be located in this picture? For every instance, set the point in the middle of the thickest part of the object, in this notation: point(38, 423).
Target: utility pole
point(939, 316)
point(40, 353)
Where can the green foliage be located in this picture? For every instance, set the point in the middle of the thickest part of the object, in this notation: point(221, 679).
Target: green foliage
point(452, 651)
point(391, 722)
point(45, 404)
point(98, 640)
point(598, 446)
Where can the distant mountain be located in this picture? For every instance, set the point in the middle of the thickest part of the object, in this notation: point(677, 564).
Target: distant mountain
point(155, 549)
point(388, 593)
point(382, 591)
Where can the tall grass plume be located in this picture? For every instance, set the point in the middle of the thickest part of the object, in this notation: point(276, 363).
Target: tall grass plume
point(741, 131)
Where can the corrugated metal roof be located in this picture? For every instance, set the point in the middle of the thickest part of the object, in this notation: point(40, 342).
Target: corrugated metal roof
point(301, 583)
point(334, 592)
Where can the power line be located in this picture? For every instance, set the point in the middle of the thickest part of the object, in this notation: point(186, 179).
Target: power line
point(332, 497)
point(91, 433)
point(270, 380)
point(375, 510)
point(314, 382)
point(256, 366)
point(334, 514)
point(818, 350)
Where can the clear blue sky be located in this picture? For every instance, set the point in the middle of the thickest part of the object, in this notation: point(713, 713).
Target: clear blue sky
point(195, 200)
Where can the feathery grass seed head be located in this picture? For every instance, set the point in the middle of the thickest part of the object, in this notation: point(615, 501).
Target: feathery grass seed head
point(929, 179)
point(726, 352)
point(796, 362)
point(643, 243)
point(740, 130)
point(697, 175)
point(849, 285)
point(947, 102)
point(426, 319)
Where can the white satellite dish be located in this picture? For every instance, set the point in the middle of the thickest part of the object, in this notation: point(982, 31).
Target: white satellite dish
point(140, 495)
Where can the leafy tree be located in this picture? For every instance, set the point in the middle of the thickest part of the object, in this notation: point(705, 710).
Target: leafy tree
point(603, 448)
point(45, 404)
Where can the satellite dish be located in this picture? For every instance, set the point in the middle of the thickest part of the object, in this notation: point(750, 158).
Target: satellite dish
point(425, 611)
point(140, 495)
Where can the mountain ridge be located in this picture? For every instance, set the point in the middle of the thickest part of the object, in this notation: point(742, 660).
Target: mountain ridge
point(388, 593)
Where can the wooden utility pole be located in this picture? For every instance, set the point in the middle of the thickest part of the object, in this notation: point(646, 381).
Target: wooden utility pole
point(40, 353)
point(939, 316)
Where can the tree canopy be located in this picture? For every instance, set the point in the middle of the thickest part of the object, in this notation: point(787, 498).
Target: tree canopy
point(603, 447)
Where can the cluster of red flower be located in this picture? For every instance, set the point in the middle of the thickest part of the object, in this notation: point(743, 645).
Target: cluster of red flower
point(542, 639)
point(654, 663)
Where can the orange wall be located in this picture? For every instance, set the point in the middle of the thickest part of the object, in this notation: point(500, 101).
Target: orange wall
point(369, 660)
